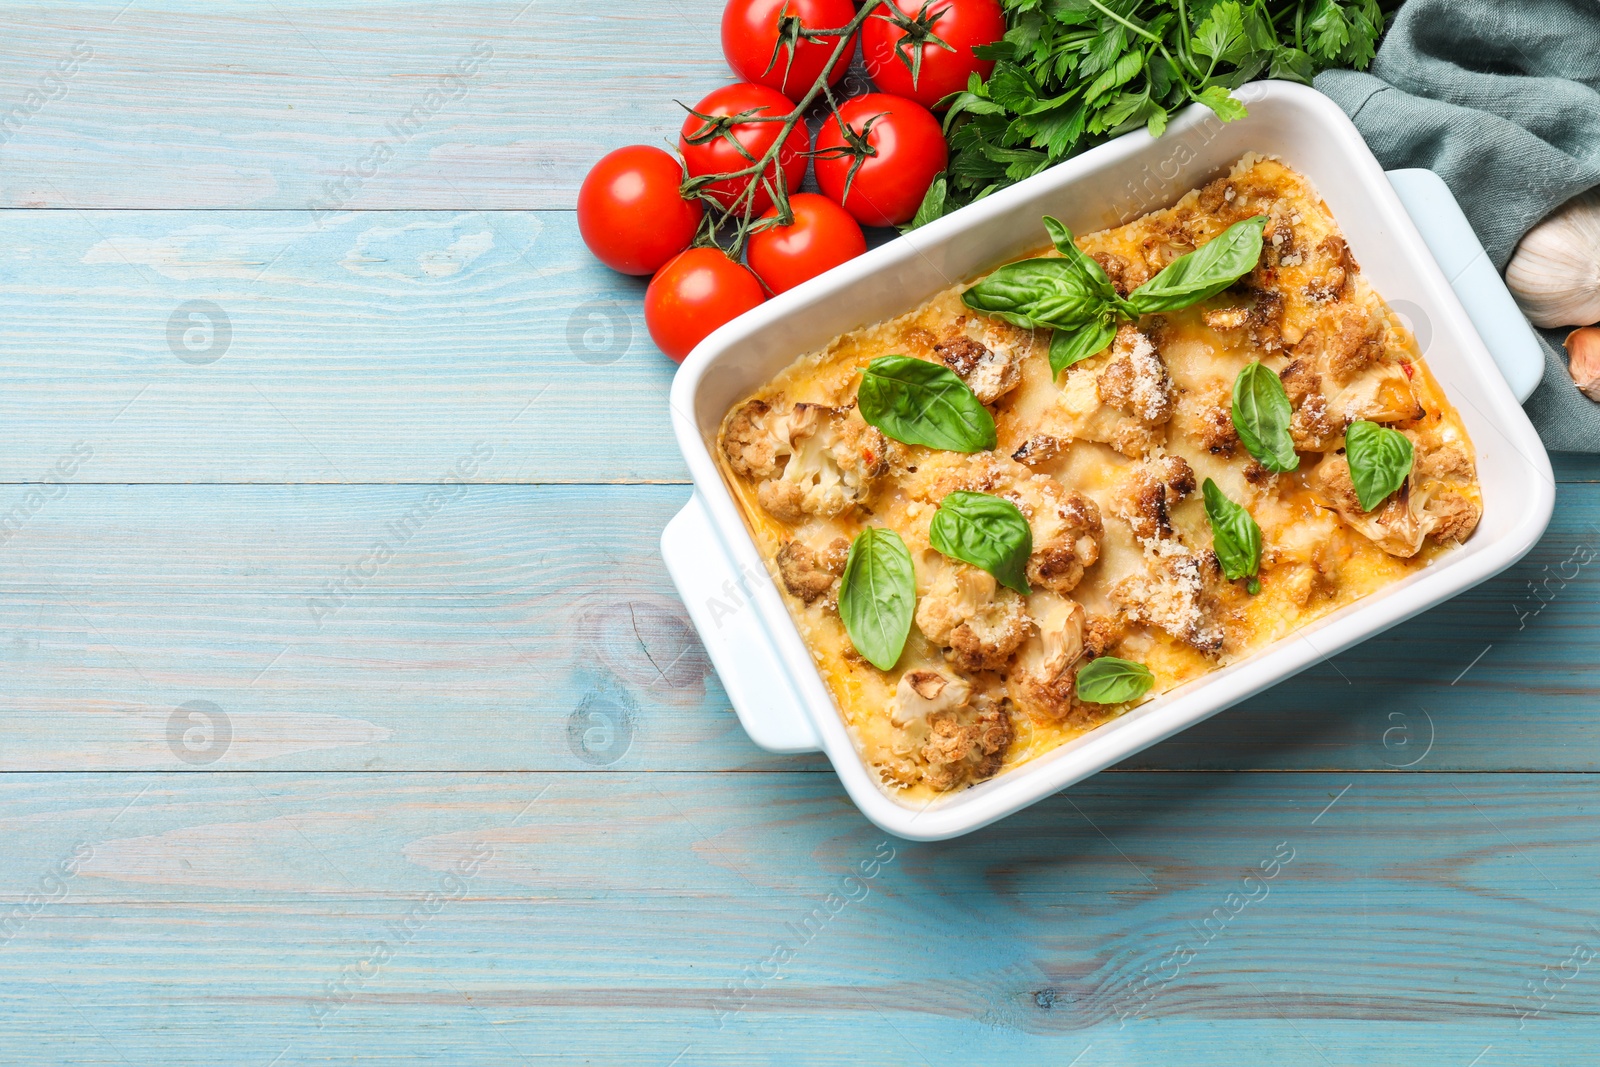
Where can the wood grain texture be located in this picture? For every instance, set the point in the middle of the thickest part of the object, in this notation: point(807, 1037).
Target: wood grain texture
point(279, 347)
point(335, 627)
point(409, 627)
point(289, 104)
point(610, 872)
point(629, 918)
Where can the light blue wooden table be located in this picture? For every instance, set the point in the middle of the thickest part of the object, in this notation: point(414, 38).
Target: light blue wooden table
point(349, 715)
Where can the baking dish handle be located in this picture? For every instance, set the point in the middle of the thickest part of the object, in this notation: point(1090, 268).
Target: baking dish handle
point(1490, 306)
point(718, 598)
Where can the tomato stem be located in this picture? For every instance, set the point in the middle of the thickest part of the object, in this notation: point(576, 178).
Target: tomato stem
point(742, 205)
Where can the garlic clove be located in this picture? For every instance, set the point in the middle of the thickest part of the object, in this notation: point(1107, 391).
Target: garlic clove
point(1583, 360)
point(1555, 273)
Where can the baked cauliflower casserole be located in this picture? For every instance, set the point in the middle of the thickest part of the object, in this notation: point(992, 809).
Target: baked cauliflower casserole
point(1046, 496)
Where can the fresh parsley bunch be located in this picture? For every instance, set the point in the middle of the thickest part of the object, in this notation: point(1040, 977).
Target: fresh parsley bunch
point(1071, 74)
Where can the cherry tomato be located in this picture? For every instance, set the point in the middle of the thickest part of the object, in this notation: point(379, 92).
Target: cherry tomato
point(750, 41)
point(717, 156)
point(822, 236)
point(692, 295)
point(630, 213)
point(962, 24)
point(909, 152)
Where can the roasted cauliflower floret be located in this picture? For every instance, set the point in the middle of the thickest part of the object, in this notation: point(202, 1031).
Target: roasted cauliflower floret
point(754, 443)
point(1123, 398)
point(1067, 529)
point(809, 574)
point(966, 749)
point(1039, 449)
point(1396, 525)
point(1341, 373)
point(1423, 506)
point(986, 641)
point(966, 613)
point(1455, 516)
point(1450, 460)
point(834, 460)
point(958, 593)
point(1065, 523)
point(923, 692)
point(949, 734)
point(1136, 380)
point(1125, 276)
point(1322, 409)
point(1230, 318)
point(809, 460)
point(1312, 427)
point(1332, 265)
point(1211, 425)
point(1354, 346)
point(1042, 680)
point(1176, 593)
point(1300, 379)
point(1135, 394)
point(1101, 633)
point(1258, 315)
point(1146, 499)
point(991, 370)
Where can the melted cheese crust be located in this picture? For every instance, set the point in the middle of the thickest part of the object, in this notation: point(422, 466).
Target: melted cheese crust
point(1108, 434)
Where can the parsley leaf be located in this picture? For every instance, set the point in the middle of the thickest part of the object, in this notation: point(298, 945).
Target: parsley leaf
point(1221, 36)
point(1070, 74)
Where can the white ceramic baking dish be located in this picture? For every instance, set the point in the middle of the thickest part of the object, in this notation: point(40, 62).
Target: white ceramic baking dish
point(755, 646)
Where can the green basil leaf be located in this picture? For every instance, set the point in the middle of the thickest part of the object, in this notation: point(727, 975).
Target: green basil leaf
point(1380, 461)
point(1037, 292)
point(1235, 536)
point(1074, 346)
point(1093, 273)
point(1206, 271)
point(923, 403)
point(878, 595)
point(986, 532)
point(1261, 415)
point(1109, 680)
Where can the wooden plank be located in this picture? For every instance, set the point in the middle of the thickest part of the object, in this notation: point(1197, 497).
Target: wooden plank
point(1575, 467)
point(192, 103)
point(319, 627)
point(510, 612)
point(517, 918)
point(274, 347)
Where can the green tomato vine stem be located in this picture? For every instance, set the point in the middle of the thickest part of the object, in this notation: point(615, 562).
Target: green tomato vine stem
point(741, 208)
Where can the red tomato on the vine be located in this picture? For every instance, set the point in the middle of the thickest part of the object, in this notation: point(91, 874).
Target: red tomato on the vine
point(692, 295)
point(822, 236)
point(908, 152)
point(630, 212)
point(961, 24)
point(763, 48)
point(717, 156)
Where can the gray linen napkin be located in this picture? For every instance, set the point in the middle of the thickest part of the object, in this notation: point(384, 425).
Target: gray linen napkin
point(1502, 101)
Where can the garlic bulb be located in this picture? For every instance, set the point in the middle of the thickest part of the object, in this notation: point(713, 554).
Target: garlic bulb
point(1583, 360)
point(1555, 273)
